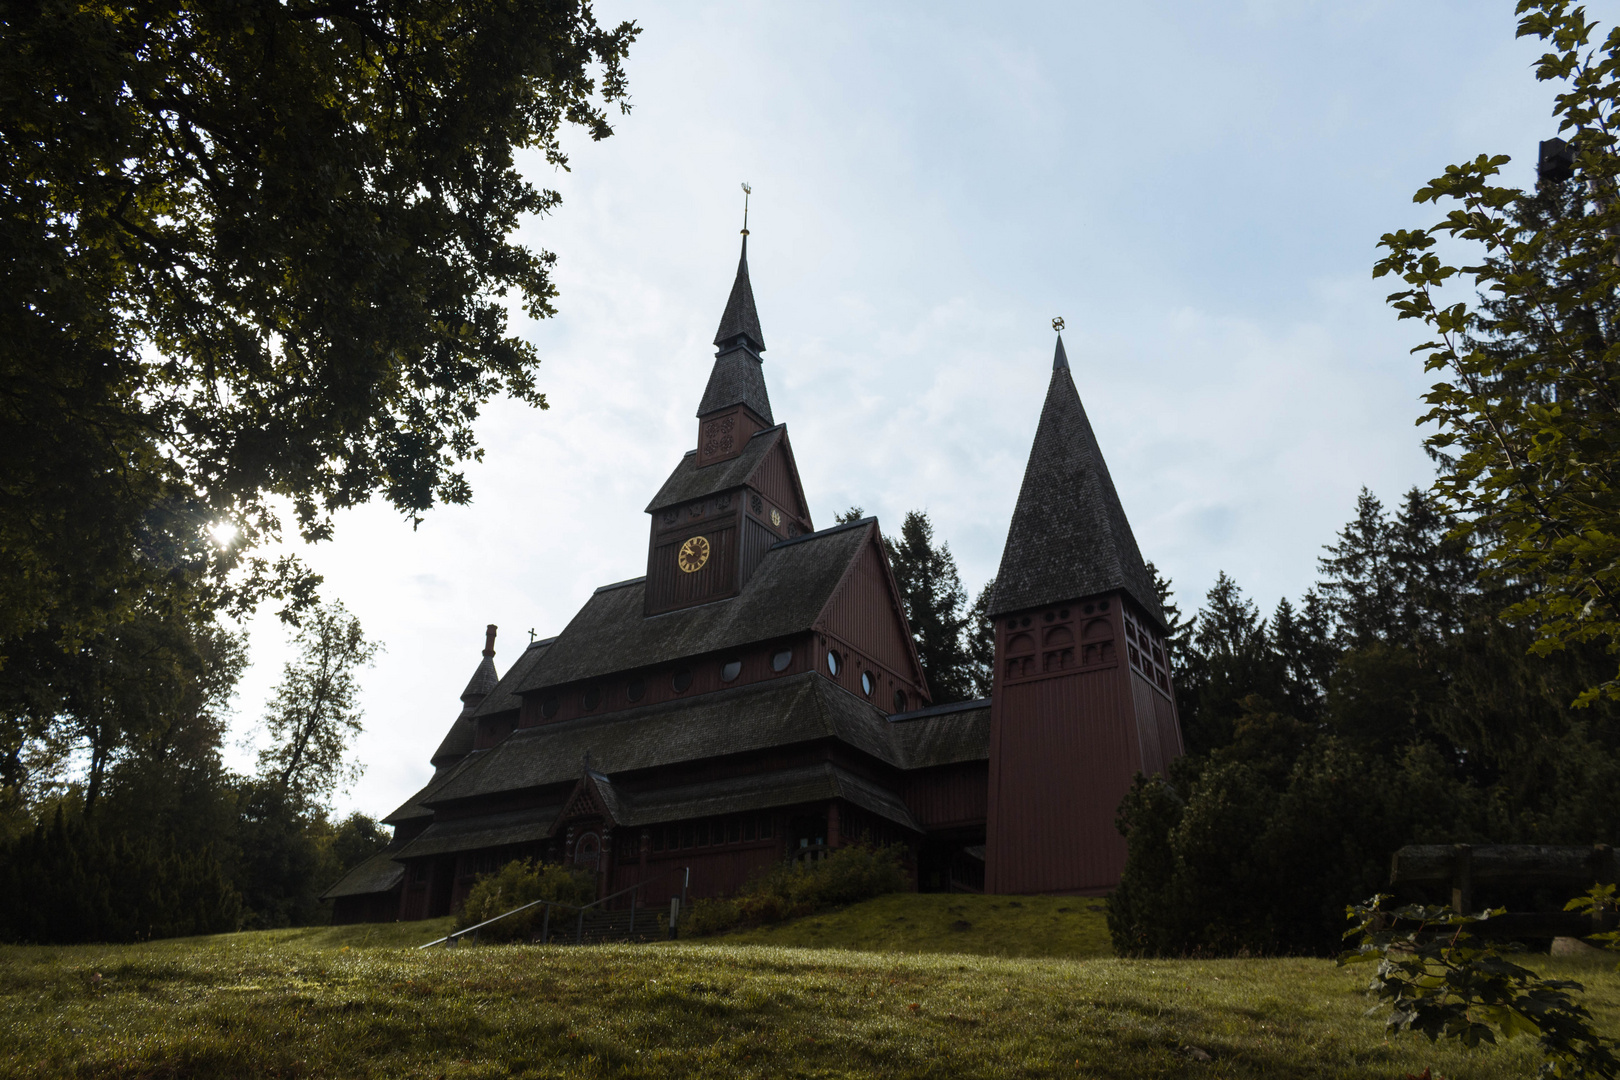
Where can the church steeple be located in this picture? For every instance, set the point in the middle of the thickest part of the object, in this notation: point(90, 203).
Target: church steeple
point(738, 377)
point(1069, 537)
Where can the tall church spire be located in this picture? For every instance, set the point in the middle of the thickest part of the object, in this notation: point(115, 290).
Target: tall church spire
point(737, 377)
point(1069, 537)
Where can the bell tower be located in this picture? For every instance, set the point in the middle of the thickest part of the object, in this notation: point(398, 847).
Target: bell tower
point(738, 493)
point(1081, 699)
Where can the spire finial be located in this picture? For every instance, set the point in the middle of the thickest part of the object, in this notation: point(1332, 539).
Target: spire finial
point(1060, 359)
point(748, 189)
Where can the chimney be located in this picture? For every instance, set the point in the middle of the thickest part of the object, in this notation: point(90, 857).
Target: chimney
point(489, 640)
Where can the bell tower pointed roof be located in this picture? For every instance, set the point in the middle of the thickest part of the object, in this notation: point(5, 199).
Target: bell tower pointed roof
point(1069, 536)
point(738, 376)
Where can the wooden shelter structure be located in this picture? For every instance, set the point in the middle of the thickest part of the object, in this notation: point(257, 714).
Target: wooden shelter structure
point(756, 695)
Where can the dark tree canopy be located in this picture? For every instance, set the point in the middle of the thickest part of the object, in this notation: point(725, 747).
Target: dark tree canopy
point(1527, 402)
point(260, 249)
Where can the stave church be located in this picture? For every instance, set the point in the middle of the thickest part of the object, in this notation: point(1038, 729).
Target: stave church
point(756, 695)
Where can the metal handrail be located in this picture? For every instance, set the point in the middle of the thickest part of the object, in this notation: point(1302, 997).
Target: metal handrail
point(454, 936)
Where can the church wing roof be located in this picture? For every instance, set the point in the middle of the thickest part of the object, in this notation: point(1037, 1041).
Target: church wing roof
point(504, 697)
point(787, 593)
point(944, 734)
point(781, 712)
point(691, 482)
point(1069, 536)
point(413, 808)
point(378, 874)
point(763, 791)
point(458, 741)
point(483, 831)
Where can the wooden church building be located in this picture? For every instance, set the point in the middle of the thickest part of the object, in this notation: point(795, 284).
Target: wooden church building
point(756, 695)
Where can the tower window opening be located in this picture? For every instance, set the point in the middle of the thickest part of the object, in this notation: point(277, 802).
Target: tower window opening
point(731, 671)
point(781, 660)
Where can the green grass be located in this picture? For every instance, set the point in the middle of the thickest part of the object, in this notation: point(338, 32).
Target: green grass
point(1047, 926)
point(337, 1003)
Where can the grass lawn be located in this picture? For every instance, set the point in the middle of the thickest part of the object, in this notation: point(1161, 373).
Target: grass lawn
point(1050, 926)
point(351, 1002)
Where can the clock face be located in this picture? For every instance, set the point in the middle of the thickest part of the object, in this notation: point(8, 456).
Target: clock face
point(693, 554)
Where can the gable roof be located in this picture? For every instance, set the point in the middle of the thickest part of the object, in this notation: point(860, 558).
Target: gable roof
point(786, 594)
point(691, 481)
point(780, 712)
point(1069, 536)
point(504, 697)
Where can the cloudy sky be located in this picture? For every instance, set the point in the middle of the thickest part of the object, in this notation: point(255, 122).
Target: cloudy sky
point(1196, 188)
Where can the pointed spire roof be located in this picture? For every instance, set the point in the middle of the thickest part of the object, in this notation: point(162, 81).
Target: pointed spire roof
point(738, 376)
point(1069, 536)
point(484, 678)
point(741, 320)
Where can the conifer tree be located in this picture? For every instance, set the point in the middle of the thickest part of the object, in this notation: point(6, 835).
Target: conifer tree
point(936, 607)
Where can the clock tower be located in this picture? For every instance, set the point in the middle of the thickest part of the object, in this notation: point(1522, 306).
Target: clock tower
point(738, 492)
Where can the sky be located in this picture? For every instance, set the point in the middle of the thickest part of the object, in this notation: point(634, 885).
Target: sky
point(1197, 189)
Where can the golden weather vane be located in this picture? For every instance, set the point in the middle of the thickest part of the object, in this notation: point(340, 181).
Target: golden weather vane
point(748, 190)
point(1057, 324)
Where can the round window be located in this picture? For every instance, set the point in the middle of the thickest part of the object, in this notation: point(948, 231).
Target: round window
point(635, 688)
point(832, 663)
point(548, 707)
point(593, 698)
point(868, 684)
point(781, 660)
point(731, 671)
point(899, 701)
point(683, 680)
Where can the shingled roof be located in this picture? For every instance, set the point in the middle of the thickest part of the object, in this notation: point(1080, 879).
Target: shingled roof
point(943, 734)
point(780, 712)
point(504, 697)
point(1069, 535)
point(738, 376)
point(691, 482)
point(483, 831)
point(377, 874)
point(787, 592)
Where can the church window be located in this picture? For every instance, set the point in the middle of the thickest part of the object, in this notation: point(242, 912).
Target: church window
point(1024, 621)
point(593, 698)
point(549, 707)
point(587, 850)
point(899, 701)
point(1090, 608)
point(731, 671)
point(635, 688)
point(781, 660)
point(686, 836)
point(832, 662)
point(683, 680)
point(1103, 606)
point(702, 839)
point(1064, 614)
point(748, 829)
point(658, 840)
point(765, 827)
point(756, 502)
point(419, 872)
point(1050, 616)
point(733, 831)
point(868, 684)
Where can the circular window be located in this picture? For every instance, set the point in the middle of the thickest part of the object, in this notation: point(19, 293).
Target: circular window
point(832, 663)
point(1025, 621)
point(781, 660)
point(683, 680)
point(548, 707)
point(593, 698)
point(1064, 614)
point(731, 671)
point(635, 688)
point(868, 684)
point(899, 701)
point(1103, 606)
point(1050, 616)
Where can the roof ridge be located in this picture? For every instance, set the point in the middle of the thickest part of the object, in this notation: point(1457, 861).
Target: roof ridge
point(626, 583)
point(819, 533)
point(939, 710)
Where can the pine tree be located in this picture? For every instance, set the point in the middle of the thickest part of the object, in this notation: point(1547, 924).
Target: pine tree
point(936, 606)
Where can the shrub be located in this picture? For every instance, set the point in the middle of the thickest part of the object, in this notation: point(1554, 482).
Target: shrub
point(522, 881)
point(792, 889)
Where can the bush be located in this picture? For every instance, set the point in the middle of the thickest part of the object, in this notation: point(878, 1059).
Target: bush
point(522, 881)
point(792, 889)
